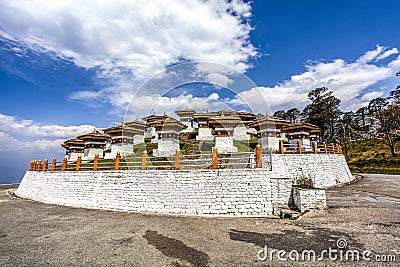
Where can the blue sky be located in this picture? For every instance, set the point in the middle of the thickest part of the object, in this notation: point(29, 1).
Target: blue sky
point(68, 66)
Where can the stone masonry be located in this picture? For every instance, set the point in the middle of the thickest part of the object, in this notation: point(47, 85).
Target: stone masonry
point(238, 192)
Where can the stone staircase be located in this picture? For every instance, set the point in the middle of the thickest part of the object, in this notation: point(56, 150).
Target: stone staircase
point(195, 148)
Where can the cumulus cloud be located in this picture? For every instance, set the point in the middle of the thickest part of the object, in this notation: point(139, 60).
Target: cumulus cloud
point(159, 104)
point(24, 140)
point(28, 136)
point(350, 81)
point(140, 37)
point(220, 79)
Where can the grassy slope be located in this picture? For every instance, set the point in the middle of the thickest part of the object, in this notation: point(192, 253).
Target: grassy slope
point(373, 156)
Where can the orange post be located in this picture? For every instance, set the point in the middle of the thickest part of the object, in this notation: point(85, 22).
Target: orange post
point(78, 164)
point(333, 148)
point(118, 161)
point(64, 164)
point(314, 145)
point(39, 166)
point(53, 164)
point(45, 164)
point(281, 147)
point(215, 158)
point(31, 166)
point(96, 163)
point(34, 165)
point(337, 149)
point(258, 156)
point(144, 160)
point(177, 164)
point(325, 148)
point(299, 146)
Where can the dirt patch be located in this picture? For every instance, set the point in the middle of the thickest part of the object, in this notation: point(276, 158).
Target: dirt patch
point(176, 249)
point(122, 241)
point(311, 238)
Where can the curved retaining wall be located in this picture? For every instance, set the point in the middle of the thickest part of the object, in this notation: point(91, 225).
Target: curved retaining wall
point(243, 192)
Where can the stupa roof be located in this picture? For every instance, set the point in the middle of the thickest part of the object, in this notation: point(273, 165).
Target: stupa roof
point(73, 142)
point(185, 112)
point(95, 135)
point(155, 117)
point(204, 115)
point(168, 124)
point(140, 125)
point(301, 126)
point(123, 129)
point(224, 121)
point(246, 116)
point(269, 122)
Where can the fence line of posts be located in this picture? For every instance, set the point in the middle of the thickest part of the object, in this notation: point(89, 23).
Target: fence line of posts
point(179, 161)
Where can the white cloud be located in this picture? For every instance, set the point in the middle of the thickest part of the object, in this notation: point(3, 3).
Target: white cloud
point(371, 55)
point(366, 98)
point(159, 104)
point(388, 53)
point(140, 36)
point(26, 136)
point(350, 82)
point(219, 79)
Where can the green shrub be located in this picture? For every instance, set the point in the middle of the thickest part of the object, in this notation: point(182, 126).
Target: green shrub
point(304, 182)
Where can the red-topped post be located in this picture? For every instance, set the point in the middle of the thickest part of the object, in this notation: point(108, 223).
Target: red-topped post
point(258, 156)
point(96, 162)
point(118, 161)
point(78, 164)
point(177, 163)
point(215, 158)
point(39, 166)
point(144, 160)
point(64, 164)
point(53, 164)
point(314, 144)
point(45, 165)
point(299, 146)
point(281, 147)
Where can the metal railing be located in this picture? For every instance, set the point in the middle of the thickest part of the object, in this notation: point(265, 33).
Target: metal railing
point(314, 148)
point(234, 160)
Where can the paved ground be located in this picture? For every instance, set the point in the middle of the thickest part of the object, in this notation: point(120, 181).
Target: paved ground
point(365, 214)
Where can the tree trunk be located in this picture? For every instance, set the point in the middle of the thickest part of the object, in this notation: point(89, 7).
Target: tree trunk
point(391, 144)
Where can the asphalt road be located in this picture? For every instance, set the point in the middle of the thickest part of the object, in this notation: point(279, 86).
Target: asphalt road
point(364, 215)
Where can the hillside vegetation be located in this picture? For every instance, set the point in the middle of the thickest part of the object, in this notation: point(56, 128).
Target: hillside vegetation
point(373, 156)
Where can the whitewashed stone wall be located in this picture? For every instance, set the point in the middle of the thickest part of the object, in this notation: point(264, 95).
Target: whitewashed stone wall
point(166, 148)
point(138, 139)
point(240, 133)
point(225, 144)
point(324, 169)
point(238, 192)
point(123, 149)
point(199, 192)
point(90, 153)
point(269, 142)
point(308, 199)
point(205, 134)
point(189, 127)
point(73, 156)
